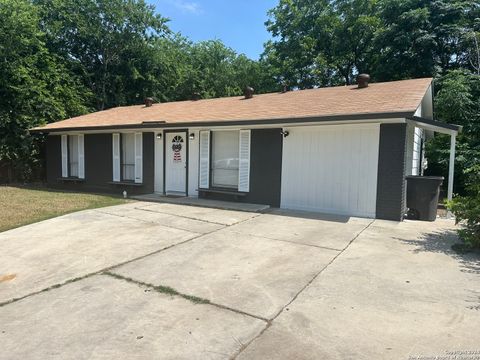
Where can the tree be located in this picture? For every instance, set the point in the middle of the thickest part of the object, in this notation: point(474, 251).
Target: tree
point(328, 42)
point(257, 74)
point(218, 71)
point(406, 41)
point(125, 52)
point(421, 38)
point(321, 42)
point(106, 42)
point(208, 68)
point(35, 88)
point(457, 102)
point(472, 44)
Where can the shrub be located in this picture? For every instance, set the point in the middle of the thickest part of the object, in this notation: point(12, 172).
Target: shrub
point(467, 211)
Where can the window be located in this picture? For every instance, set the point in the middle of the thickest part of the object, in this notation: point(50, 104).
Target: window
point(225, 153)
point(128, 157)
point(224, 159)
point(127, 152)
point(73, 155)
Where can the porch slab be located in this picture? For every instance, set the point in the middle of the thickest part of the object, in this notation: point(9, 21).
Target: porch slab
point(241, 271)
point(106, 318)
point(144, 212)
point(216, 216)
point(208, 203)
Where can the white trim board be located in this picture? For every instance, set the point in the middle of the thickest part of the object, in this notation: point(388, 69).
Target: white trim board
point(432, 127)
point(159, 128)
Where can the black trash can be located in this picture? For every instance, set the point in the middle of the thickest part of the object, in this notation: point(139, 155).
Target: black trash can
point(422, 197)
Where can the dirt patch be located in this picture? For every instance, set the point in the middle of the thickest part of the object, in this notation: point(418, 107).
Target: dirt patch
point(8, 277)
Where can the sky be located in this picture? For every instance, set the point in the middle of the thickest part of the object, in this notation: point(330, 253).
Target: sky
point(238, 23)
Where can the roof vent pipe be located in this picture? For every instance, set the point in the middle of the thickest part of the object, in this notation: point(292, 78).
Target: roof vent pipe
point(196, 96)
point(149, 102)
point(248, 92)
point(362, 80)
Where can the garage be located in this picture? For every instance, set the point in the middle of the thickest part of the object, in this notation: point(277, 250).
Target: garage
point(331, 169)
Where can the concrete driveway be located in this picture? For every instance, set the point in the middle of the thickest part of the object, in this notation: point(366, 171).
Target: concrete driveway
point(166, 281)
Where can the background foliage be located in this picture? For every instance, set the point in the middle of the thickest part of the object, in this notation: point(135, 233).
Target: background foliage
point(467, 211)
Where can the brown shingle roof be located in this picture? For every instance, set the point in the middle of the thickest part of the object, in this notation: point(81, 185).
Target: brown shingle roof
point(389, 97)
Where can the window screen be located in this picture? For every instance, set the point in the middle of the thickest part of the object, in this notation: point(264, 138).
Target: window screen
point(73, 155)
point(225, 159)
point(128, 157)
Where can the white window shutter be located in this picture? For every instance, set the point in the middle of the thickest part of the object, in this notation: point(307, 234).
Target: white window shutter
point(204, 168)
point(81, 157)
point(116, 156)
point(138, 158)
point(244, 161)
point(64, 156)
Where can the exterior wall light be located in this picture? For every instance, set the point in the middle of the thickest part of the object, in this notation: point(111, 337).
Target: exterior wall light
point(159, 136)
point(191, 136)
point(285, 133)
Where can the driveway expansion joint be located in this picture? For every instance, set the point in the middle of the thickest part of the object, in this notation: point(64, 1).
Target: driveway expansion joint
point(159, 288)
point(171, 291)
point(145, 221)
point(52, 287)
point(177, 215)
point(270, 322)
point(182, 216)
point(288, 241)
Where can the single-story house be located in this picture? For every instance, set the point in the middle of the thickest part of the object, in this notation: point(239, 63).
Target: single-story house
point(342, 150)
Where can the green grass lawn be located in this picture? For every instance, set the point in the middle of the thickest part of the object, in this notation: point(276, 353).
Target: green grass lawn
point(21, 206)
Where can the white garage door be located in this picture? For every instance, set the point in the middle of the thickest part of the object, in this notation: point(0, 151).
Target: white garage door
point(331, 169)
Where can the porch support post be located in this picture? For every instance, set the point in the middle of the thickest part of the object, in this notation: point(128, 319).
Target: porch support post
point(451, 166)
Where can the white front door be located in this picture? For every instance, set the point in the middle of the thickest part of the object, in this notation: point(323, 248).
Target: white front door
point(175, 163)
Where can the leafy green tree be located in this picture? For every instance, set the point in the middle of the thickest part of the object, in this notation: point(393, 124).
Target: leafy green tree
point(321, 42)
point(406, 40)
point(212, 70)
point(171, 69)
point(208, 68)
point(421, 38)
point(457, 102)
point(219, 71)
point(35, 88)
point(257, 74)
point(328, 42)
point(106, 42)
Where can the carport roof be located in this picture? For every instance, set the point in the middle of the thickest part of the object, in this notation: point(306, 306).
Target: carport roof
point(388, 99)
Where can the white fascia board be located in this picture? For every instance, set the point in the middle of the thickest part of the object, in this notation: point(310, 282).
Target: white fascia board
point(432, 128)
point(236, 126)
point(295, 124)
point(109, 131)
